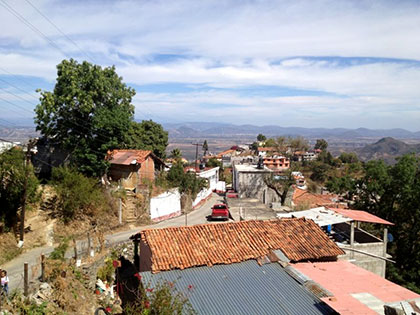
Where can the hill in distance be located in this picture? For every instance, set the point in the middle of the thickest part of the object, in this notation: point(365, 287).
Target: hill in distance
point(386, 149)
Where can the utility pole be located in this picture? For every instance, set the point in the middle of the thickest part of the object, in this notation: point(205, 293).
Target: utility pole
point(196, 154)
point(26, 163)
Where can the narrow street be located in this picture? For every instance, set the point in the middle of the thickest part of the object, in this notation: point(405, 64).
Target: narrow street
point(32, 257)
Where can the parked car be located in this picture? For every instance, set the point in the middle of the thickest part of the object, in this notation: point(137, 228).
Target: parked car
point(220, 212)
point(231, 193)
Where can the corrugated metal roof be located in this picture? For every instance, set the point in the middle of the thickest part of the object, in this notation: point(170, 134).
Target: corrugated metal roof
point(362, 216)
point(321, 216)
point(241, 288)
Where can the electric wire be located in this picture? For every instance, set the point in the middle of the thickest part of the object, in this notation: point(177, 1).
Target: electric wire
point(31, 26)
point(61, 32)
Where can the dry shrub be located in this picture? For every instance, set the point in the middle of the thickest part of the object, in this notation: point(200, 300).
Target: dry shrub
point(69, 291)
point(8, 248)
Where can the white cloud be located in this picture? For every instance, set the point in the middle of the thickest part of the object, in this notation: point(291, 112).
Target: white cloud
point(230, 44)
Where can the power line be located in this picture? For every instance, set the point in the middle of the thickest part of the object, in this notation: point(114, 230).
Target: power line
point(19, 78)
point(31, 26)
point(60, 31)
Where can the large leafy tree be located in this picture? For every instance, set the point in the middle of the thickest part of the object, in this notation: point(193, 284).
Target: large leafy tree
point(88, 113)
point(147, 135)
point(12, 178)
point(393, 192)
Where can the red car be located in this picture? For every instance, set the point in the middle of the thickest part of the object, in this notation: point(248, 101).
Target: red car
point(220, 212)
point(230, 193)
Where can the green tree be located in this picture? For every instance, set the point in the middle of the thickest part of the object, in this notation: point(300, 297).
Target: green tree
point(77, 194)
point(188, 183)
point(298, 144)
point(213, 162)
point(319, 171)
point(349, 158)
point(280, 184)
point(205, 147)
point(176, 154)
point(321, 144)
point(88, 113)
point(147, 135)
point(261, 137)
point(12, 177)
point(393, 192)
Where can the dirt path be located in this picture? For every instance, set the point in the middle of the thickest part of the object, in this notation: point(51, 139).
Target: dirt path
point(33, 256)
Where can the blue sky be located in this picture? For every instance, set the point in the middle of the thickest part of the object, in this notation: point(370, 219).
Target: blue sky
point(291, 63)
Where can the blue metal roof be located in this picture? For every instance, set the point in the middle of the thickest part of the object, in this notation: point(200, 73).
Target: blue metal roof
point(241, 288)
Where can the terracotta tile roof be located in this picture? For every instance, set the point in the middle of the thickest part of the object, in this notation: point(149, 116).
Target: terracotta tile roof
point(226, 243)
point(362, 216)
point(304, 197)
point(344, 280)
point(126, 157)
point(226, 152)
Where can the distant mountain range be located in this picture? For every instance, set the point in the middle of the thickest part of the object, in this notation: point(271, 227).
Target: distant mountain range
point(222, 130)
point(386, 149)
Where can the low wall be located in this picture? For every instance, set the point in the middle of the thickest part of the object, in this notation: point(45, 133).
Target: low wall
point(202, 196)
point(165, 206)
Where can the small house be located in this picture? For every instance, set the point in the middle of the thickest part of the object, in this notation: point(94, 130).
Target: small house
point(133, 167)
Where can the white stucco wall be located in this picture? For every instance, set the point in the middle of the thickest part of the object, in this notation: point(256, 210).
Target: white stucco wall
point(212, 175)
point(165, 205)
point(203, 194)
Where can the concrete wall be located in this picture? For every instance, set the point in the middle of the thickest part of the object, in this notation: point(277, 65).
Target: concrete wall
point(375, 265)
point(166, 205)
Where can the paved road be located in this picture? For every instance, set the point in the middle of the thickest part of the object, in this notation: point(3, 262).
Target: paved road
point(32, 257)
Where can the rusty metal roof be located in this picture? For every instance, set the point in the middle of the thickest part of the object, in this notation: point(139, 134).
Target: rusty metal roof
point(127, 157)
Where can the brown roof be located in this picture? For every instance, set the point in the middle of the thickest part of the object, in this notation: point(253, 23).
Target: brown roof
point(127, 157)
point(226, 243)
point(303, 197)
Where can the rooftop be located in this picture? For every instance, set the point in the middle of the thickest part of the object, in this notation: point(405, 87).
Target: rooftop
point(304, 197)
point(127, 157)
point(243, 288)
point(226, 243)
point(355, 290)
point(362, 216)
point(250, 168)
point(321, 216)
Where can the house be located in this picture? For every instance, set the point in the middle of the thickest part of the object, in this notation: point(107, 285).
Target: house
point(353, 290)
point(263, 151)
point(343, 226)
point(239, 266)
point(226, 243)
point(249, 181)
point(133, 167)
point(276, 163)
point(303, 199)
point(305, 155)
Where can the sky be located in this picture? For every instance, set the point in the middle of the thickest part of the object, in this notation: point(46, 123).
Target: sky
point(330, 64)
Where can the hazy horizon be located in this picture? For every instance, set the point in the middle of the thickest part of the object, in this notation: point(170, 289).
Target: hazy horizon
point(331, 64)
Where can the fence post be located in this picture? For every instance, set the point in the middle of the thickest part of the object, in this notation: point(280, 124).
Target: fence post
point(25, 279)
point(75, 249)
point(42, 267)
point(119, 211)
point(89, 245)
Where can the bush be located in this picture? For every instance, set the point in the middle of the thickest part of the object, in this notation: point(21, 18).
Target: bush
point(77, 194)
